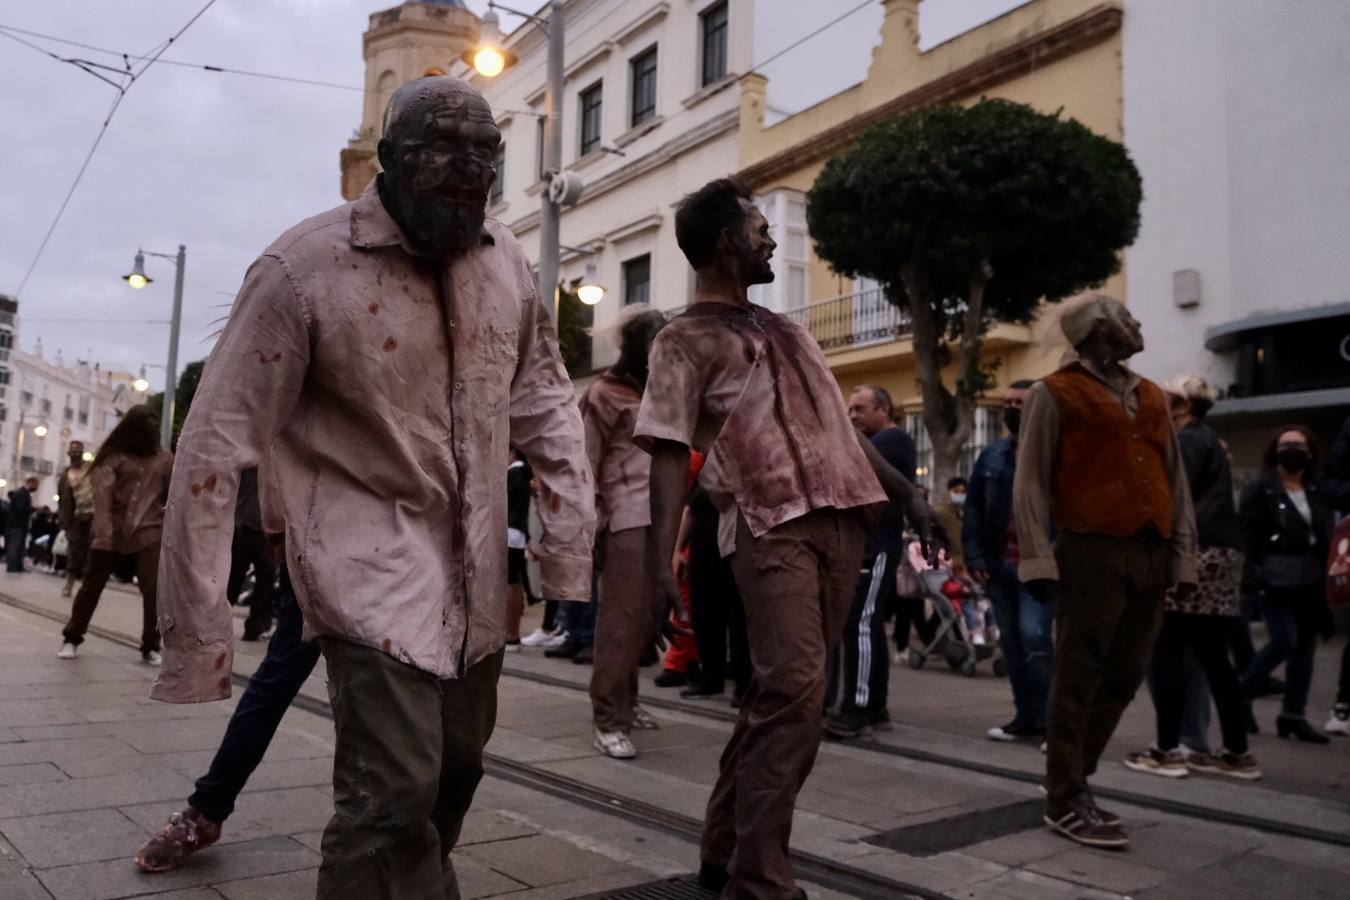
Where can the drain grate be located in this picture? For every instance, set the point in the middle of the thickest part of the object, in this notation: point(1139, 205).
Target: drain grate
point(685, 887)
point(929, 838)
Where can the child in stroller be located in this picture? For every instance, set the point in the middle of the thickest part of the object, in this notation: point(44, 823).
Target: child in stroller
point(965, 635)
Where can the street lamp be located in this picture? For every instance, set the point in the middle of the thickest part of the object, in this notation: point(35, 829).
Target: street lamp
point(140, 385)
point(40, 431)
point(490, 60)
point(138, 279)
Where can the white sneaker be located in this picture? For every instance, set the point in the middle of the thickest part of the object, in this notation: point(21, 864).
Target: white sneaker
point(556, 639)
point(901, 657)
point(535, 639)
point(1339, 723)
point(67, 651)
point(642, 718)
point(614, 744)
point(151, 658)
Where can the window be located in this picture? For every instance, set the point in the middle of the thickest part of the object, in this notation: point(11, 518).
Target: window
point(714, 22)
point(25, 397)
point(6, 339)
point(643, 69)
point(46, 407)
point(988, 428)
point(637, 280)
point(4, 414)
point(590, 118)
point(499, 184)
point(84, 418)
point(4, 376)
point(68, 414)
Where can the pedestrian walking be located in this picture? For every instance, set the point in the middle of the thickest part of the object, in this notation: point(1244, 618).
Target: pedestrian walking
point(752, 390)
point(130, 481)
point(386, 354)
point(16, 525)
point(992, 553)
point(1096, 451)
point(1286, 533)
point(1195, 624)
point(75, 511)
point(518, 477)
point(1335, 486)
point(249, 549)
point(628, 618)
point(860, 676)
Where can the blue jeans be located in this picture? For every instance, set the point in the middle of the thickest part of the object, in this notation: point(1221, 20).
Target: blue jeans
point(288, 662)
point(1026, 635)
point(578, 620)
point(16, 543)
point(1291, 620)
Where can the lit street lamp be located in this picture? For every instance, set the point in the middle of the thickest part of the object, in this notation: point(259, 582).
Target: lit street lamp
point(490, 59)
point(40, 431)
point(138, 279)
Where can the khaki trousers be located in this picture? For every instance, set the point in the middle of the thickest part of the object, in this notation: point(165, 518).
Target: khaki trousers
point(1110, 609)
point(409, 757)
point(625, 625)
point(797, 584)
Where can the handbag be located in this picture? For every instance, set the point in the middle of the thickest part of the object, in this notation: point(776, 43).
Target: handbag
point(61, 546)
point(1289, 571)
point(1338, 566)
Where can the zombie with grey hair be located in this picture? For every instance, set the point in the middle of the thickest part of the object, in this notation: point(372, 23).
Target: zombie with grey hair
point(1098, 457)
point(386, 355)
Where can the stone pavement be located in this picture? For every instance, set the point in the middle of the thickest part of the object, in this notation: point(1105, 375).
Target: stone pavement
point(89, 767)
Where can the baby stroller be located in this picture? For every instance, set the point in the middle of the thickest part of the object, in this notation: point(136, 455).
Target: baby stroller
point(955, 640)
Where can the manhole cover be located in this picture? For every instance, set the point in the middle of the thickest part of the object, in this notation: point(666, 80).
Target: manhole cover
point(685, 887)
point(928, 838)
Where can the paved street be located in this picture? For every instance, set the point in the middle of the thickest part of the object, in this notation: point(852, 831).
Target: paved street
point(89, 767)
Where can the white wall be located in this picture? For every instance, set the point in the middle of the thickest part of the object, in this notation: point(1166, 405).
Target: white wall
point(1236, 114)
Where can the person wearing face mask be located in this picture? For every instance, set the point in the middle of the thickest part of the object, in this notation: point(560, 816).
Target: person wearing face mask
point(1286, 532)
point(989, 540)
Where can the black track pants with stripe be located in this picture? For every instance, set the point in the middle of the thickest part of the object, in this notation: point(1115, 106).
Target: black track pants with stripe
point(859, 675)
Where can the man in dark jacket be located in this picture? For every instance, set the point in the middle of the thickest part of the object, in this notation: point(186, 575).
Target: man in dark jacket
point(861, 671)
point(16, 528)
point(989, 538)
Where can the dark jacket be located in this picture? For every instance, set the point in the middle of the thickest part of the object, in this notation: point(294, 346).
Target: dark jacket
point(897, 448)
point(1335, 481)
point(1275, 537)
point(1211, 481)
point(518, 498)
point(984, 527)
point(20, 508)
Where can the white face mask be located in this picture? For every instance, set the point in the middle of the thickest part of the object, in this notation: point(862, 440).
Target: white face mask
point(958, 499)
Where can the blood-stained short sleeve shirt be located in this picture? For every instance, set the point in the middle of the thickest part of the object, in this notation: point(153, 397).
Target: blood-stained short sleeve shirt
point(753, 391)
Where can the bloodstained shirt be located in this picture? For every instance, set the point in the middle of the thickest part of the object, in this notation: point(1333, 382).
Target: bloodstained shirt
point(623, 472)
point(388, 389)
point(752, 390)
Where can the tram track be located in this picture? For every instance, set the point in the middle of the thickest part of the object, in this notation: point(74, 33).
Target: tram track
point(1160, 804)
point(819, 870)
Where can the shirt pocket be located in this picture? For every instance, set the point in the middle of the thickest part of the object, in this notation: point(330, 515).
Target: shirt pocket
point(495, 355)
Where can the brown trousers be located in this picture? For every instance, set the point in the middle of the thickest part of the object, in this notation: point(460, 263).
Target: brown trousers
point(1110, 609)
point(408, 759)
point(797, 584)
point(625, 625)
point(101, 565)
point(78, 536)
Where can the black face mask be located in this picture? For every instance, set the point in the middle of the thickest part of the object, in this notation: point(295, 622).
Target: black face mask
point(1292, 459)
point(1012, 418)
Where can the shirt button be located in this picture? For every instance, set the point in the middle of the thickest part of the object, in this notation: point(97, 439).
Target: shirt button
point(459, 385)
point(452, 323)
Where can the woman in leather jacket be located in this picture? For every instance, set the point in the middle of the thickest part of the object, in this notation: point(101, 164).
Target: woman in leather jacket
point(1286, 530)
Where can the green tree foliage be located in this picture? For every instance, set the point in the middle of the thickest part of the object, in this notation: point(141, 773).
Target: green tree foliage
point(184, 391)
point(574, 338)
point(968, 216)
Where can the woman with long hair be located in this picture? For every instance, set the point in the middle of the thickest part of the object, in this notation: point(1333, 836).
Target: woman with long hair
point(1286, 530)
point(130, 479)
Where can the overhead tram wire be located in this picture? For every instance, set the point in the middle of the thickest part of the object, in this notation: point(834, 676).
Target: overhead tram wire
point(125, 84)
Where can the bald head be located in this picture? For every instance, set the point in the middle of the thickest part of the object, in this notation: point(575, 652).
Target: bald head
point(438, 149)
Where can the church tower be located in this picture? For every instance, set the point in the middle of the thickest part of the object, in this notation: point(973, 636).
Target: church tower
point(402, 43)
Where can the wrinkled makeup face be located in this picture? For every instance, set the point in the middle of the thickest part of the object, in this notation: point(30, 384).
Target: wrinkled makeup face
point(1125, 331)
point(442, 154)
point(756, 247)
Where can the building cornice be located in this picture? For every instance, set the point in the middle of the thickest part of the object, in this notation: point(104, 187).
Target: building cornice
point(1018, 59)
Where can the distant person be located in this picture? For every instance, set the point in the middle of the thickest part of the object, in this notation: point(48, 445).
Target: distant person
point(249, 549)
point(1286, 530)
point(131, 483)
point(1335, 486)
point(860, 676)
point(75, 509)
point(518, 476)
point(989, 541)
point(16, 526)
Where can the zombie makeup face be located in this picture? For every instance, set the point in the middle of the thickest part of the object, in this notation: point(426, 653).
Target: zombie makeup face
point(437, 152)
point(751, 248)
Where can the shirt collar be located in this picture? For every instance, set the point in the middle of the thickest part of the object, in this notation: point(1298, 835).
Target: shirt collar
point(372, 226)
point(1132, 378)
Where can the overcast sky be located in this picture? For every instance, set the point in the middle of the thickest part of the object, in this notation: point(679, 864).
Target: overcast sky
point(224, 163)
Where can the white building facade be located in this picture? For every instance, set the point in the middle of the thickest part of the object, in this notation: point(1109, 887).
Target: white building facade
point(1235, 115)
point(48, 404)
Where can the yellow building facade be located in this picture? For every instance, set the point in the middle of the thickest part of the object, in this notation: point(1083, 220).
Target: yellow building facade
point(1050, 54)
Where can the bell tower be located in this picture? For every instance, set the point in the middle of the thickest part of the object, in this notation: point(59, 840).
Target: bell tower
point(408, 41)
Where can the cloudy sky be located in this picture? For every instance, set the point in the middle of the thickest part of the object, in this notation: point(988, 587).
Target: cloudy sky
point(224, 163)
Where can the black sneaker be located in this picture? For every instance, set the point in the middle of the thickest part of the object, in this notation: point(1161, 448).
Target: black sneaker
point(584, 657)
point(697, 691)
point(668, 678)
point(851, 724)
point(1013, 731)
point(565, 650)
point(713, 877)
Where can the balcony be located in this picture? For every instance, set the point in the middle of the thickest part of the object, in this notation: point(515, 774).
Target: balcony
point(853, 320)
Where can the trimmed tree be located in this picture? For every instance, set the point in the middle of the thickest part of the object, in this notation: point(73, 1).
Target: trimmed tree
point(969, 216)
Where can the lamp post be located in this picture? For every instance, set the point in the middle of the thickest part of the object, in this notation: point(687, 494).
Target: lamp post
point(490, 59)
point(138, 279)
